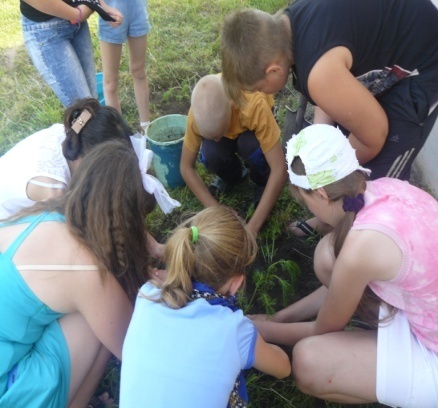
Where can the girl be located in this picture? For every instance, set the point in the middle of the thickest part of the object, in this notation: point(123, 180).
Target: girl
point(385, 238)
point(70, 269)
point(57, 39)
point(133, 30)
point(40, 166)
point(187, 342)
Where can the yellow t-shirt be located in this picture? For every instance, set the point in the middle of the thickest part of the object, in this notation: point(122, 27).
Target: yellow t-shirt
point(256, 115)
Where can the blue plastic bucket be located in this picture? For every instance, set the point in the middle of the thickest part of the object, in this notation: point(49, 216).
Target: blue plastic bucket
point(99, 88)
point(165, 137)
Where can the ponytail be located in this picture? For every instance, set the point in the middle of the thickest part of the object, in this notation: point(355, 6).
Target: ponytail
point(210, 247)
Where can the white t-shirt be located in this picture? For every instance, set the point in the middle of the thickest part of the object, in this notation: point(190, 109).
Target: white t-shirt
point(188, 357)
point(39, 154)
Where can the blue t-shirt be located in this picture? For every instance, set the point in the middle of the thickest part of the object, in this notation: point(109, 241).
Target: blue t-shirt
point(188, 357)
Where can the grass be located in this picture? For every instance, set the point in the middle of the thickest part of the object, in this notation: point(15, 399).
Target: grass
point(182, 47)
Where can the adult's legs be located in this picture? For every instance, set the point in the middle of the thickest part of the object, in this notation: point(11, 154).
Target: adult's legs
point(49, 45)
point(111, 55)
point(83, 47)
point(339, 366)
point(137, 63)
point(88, 358)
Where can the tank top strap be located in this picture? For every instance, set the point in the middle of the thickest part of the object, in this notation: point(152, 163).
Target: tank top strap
point(34, 221)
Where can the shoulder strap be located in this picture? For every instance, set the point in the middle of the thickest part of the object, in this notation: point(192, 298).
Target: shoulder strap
point(46, 216)
point(57, 267)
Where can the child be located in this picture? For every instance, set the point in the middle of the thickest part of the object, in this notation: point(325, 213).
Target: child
point(133, 30)
point(385, 239)
point(187, 342)
point(70, 268)
point(220, 129)
point(58, 41)
point(369, 65)
point(40, 166)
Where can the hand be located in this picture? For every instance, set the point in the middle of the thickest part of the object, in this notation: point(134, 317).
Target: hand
point(250, 227)
point(114, 13)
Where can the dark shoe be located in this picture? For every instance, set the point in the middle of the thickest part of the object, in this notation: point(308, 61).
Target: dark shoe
point(218, 186)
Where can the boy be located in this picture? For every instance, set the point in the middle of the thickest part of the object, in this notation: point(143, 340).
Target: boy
point(370, 66)
point(219, 129)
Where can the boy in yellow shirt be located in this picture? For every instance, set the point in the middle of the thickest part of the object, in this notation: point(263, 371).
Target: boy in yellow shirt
point(222, 131)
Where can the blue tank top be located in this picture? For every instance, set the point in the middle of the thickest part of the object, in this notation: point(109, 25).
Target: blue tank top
point(32, 344)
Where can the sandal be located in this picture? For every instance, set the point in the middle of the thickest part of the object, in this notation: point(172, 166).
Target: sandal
point(303, 226)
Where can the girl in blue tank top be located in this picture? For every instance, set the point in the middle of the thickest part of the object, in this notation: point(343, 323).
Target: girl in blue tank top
point(70, 269)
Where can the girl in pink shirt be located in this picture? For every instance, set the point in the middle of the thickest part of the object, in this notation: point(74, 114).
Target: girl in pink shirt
point(385, 238)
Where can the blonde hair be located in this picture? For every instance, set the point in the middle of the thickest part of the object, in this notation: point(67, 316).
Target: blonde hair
point(250, 40)
point(211, 107)
point(223, 249)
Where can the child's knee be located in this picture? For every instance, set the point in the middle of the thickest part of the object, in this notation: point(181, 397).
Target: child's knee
point(138, 71)
point(306, 364)
point(111, 83)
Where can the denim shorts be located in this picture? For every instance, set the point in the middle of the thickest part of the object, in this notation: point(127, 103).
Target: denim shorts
point(135, 21)
point(63, 55)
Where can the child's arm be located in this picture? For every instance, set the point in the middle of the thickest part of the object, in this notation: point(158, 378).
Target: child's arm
point(271, 359)
point(193, 180)
point(277, 179)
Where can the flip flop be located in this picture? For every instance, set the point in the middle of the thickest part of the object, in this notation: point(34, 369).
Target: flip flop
point(305, 228)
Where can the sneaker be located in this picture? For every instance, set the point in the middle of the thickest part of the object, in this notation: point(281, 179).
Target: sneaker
point(218, 186)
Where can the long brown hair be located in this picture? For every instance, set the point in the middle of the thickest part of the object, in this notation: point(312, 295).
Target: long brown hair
point(105, 208)
point(224, 249)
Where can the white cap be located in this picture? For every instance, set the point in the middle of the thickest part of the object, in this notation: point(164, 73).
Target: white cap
point(326, 154)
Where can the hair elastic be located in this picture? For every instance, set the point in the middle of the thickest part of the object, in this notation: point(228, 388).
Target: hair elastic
point(195, 234)
point(354, 204)
point(78, 124)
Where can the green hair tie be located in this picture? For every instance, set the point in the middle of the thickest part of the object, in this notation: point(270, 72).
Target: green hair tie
point(195, 235)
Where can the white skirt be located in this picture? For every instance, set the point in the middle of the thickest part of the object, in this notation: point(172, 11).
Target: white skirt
point(407, 372)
